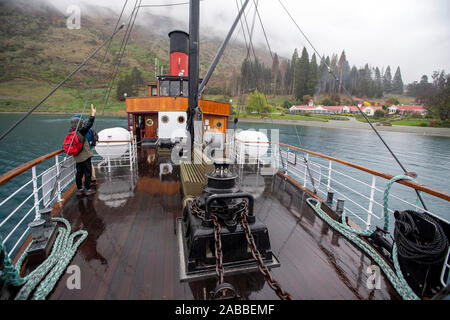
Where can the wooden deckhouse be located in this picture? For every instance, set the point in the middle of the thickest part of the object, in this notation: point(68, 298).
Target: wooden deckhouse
point(161, 116)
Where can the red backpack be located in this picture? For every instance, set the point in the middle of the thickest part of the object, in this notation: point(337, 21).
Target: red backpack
point(76, 147)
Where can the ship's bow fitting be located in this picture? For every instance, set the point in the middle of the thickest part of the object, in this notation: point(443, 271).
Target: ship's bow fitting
point(219, 228)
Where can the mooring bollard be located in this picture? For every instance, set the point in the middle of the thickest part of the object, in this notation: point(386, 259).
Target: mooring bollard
point(340, 206)
point(37, 230)
point(46, 216)
point(329, 201)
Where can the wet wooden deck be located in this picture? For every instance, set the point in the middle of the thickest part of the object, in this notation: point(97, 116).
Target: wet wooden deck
point(131, 251)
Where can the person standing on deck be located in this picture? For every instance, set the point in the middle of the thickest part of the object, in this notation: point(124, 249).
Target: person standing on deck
point(92, 138)
point(83, 159)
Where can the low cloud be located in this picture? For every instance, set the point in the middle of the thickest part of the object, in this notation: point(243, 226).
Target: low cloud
point(412, 34)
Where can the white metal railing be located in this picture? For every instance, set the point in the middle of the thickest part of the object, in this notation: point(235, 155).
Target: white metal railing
point(362, 191)
point(33, 193)
point(116, 154)
point(31, 190)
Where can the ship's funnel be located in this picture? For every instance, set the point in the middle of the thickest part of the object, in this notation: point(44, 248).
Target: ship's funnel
point(179, 50)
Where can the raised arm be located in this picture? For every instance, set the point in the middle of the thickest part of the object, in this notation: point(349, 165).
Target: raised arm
point(89, 123)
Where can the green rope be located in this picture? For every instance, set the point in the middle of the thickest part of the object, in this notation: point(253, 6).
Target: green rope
point(47, 274)
point(396, 278)
point(386, 197)
point(10, 274)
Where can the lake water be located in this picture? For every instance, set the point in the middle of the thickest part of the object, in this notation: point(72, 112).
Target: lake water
point(428, 156)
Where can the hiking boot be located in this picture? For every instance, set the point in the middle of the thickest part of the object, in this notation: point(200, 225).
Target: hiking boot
point(90, 191)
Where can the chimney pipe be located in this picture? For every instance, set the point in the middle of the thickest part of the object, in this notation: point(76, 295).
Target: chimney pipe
point(179, 50)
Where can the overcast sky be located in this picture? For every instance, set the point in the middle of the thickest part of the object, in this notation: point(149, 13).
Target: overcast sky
point(412, 34)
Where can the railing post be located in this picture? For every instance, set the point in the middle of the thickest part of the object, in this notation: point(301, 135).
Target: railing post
point(134, 153)
point(306, 171)
point(257, 158)
point(130, 152)
point(369, 211)
point(35, 193)
point(58, 187)
point(109, 162)
point(329, 176)
point(286, 160)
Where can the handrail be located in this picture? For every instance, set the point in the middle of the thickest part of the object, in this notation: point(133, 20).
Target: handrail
point(26, 166)
point(414, 185)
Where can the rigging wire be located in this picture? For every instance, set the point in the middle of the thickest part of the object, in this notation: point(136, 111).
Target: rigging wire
point(351, 98)
point(85, 61)
point(264, 31)
point(116, 28)
point(250, 34)
point(121, 52)
point(298, 137)
point(254, 18)
point(104, 57)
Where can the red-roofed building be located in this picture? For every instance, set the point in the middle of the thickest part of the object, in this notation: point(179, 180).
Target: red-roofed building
point(403, 109)
point(370, 110)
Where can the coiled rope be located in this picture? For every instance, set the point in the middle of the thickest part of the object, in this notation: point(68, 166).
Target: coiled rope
point(395, 277)
point(412, 246)
point(397, 281)
point(47, 274)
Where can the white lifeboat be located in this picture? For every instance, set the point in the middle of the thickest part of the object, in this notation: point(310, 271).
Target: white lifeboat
point(254, 143)
point(113, 142)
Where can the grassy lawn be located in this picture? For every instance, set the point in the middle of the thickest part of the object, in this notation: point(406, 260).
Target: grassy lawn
point(21, 95)
point(282, 117)
point(416, 122)
point(412, 122)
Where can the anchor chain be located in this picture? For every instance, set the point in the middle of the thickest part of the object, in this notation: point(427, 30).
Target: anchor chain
point(218, 250)
point(223, 290)
point(251, 241)
point(283, 295)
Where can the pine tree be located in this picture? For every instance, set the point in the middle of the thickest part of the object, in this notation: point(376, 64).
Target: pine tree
point(126, 85)
point(288, 78)
point(275, 72)
point(387, 81)
point(313, 76)
point(378, 83)
point(331, 79)
point(294, 63)
point(397, 83)
point(301, 76)
point(282, 77)
point(136, 76)
point(365, 82)
point(341, 69)
point(323, 75)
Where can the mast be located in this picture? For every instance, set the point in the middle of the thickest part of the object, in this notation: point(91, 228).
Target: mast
point(194, 17)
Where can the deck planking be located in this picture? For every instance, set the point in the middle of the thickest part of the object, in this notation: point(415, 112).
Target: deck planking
point(131, 251)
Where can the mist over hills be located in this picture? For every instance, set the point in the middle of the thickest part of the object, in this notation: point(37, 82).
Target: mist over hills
point(35, 44)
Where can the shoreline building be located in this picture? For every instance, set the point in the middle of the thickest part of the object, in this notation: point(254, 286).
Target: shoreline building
point(368, 110)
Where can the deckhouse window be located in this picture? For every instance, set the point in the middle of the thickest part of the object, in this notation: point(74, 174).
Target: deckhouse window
point(185, 88)
point(164, 88)
point(174, 88)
